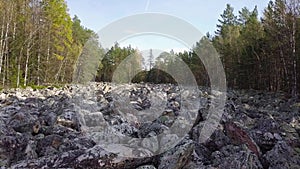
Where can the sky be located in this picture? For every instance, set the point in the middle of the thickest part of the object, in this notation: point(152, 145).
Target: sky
point(204, 15)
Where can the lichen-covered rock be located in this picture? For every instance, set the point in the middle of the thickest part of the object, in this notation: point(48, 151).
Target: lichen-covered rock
point(146, 167)
point(283, 156)
point(86, 126)
point(150, 127)
point(69, 119)
point(177, 157)
point(239, 136)
point(62, 160)
point(236, 157)
point(266, 141)
point(217, 140)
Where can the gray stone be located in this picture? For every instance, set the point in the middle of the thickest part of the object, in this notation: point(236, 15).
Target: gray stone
point(282, 156)
point(146, 167)
point(69, 127)
point(178, 156)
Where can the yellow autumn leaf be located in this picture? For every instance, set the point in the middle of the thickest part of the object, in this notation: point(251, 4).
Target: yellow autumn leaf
point(59, 57)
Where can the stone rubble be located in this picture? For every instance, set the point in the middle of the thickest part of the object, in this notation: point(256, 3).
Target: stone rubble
point(103, 125)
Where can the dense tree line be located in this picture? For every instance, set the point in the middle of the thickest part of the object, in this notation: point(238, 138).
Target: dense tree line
point(261, 54)
point(256, 53)
point(119, 64)
point(39, 42)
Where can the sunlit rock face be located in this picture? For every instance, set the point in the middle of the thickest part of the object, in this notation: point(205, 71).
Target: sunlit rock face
point(104, 125)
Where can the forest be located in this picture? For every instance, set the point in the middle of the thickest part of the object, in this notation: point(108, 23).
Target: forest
point(40, 44)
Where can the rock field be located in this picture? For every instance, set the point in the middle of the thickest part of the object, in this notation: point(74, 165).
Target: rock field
point(146, 126)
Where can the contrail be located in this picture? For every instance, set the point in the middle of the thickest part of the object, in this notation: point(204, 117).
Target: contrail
point(147, 6)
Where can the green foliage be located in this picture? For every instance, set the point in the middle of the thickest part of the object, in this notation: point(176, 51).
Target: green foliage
point(141, 77)
point(88, 62)
point(40, 44)
point(260, 54)
point(81, 34)
point(158, 76)
point(127, 59)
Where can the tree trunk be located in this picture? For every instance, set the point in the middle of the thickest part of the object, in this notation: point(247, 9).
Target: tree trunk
point(2, 38)
point(19, 67)
point(28, 48)
point(5, 41)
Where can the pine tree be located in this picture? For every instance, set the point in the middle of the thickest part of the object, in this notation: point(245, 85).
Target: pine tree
point(59, 41)
point(227, 44)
